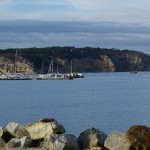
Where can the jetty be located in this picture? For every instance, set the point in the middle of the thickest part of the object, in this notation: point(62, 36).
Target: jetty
point(19, 76)
point(48, 134)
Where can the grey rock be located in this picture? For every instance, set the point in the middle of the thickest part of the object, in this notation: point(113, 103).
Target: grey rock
point(14, 142)
point(60, 129)
point(2, 143)
point(61, 142)
point(17, 130)
point(24, 142)
point(91, 138)
point(4, 134)
point(54, 124)
point(2, 131)
point(117, 141)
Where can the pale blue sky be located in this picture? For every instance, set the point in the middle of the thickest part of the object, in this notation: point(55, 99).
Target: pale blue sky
point(128, 11)
point(121, 24)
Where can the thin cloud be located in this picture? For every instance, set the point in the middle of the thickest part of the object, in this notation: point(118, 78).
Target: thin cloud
point(72, 26)
point(25, 33)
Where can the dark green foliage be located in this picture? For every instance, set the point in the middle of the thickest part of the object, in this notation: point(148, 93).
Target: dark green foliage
point(122, 59)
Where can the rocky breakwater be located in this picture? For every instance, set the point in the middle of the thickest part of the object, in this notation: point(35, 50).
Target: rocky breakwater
point(47, 134)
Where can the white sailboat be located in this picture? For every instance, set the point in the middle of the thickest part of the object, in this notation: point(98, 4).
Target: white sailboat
point(73, 74)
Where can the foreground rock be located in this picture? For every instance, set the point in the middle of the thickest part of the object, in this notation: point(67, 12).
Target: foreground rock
point(23, 142)
point(17, 130)
point(136, 138)
point(2, 143)
point(117, 141)
point(139, 137)
point(47, 134)
point(61, 142)
point(4, 134)
point(44, 127)
point(91, 138)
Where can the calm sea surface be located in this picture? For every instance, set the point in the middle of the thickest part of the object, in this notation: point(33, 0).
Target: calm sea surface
point(107, 101)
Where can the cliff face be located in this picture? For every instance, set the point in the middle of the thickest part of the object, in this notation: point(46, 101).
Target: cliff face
point(7, 65)
point(83, 60)
point(103, 64)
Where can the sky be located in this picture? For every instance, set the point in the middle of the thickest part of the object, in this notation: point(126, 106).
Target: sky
point(122, 24)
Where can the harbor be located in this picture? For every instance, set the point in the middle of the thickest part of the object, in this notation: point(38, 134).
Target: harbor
point(19, 73)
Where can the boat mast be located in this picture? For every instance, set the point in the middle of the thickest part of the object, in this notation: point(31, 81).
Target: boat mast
point(71, 62)
point(15, 64)
point(52, 66)
point(42, 68)
point(57, 67)
point(71, 67)
point(50, 69)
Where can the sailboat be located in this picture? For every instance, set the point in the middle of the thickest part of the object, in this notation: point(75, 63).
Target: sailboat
point(51, 75)
point(74, 75)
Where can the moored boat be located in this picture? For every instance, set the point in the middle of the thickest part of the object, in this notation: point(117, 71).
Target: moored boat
point(54, 76)
point(75, 75)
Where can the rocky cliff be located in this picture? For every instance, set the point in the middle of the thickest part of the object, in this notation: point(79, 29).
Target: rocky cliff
point(83, 60)
point(7, 64)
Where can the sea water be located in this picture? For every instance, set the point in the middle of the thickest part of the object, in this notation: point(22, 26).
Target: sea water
point(106, 101)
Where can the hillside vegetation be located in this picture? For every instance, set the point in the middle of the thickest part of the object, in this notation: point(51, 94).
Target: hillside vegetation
point(85, 59)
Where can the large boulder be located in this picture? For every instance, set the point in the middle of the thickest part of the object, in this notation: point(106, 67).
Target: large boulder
point(61, 142)
point(17, 130)
point(4, 134)
point(91, 138)
point(117, 141)
point(139, 137)
point(44, 127)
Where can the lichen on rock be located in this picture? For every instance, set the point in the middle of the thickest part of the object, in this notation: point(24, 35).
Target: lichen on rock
point(139, 137)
